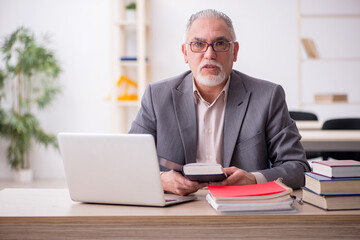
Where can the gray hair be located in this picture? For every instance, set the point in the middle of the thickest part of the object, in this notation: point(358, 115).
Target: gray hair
point(212, 13)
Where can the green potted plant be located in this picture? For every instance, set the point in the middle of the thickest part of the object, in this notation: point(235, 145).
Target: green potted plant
point(28, 80)
point(131, 11)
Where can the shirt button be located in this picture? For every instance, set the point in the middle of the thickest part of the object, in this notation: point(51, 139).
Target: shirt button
point(209, 131)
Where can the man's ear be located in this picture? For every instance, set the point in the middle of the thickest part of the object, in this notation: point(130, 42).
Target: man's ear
point(184, 51)
point(236, 50)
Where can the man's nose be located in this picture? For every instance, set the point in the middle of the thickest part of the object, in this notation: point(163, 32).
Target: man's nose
point(210, 53)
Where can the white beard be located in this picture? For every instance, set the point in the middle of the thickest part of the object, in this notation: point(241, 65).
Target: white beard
point(210, 81)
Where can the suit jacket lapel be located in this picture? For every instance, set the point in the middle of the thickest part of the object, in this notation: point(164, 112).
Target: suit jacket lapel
point(184, 105)
point(236, 106)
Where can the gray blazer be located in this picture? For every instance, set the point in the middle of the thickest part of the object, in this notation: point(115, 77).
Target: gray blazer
point(259, 134)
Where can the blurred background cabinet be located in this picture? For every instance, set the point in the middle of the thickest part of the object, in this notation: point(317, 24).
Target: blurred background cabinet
point(129, 58)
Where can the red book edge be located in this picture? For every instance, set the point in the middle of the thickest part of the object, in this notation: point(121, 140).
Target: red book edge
point(261, 189)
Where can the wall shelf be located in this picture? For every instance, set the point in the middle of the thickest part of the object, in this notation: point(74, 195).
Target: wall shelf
point(330, 15)
point(330, 59)
point(332, 103)
point(131, 24)
point(128, 63)
point(333, 68)
point(128, 103)
point(129, 38)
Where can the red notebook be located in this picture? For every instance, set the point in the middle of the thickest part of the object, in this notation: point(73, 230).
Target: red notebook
point(337, 168)
point(255, 191)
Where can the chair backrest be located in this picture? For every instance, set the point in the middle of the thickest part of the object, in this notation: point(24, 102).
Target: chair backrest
point(342, 124)
point(303, 116)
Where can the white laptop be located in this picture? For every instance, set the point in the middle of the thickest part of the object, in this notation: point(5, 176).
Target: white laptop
point(114, 169)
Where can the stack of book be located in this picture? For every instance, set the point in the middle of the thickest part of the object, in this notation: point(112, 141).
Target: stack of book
point(333, 185)
point(271, 196)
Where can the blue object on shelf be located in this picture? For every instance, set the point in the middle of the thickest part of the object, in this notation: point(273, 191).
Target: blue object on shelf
point(128, 58)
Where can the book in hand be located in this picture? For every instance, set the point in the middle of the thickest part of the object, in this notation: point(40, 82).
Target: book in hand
point(337, 168)
point(270, 196)
point(326, 185)
point(204, 172)
point(331, 202)
point(199, 172)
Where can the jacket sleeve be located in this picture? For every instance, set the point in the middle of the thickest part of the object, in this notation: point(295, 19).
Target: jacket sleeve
point(286, 153)
point(145, 121)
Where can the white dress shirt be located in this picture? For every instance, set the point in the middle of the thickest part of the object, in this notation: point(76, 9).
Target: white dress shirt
point(210, 122)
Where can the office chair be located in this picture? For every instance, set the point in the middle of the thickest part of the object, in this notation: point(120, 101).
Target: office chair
point(342, 124)
point(305, 116)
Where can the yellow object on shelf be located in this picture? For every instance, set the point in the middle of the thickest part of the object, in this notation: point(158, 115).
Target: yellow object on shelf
point(108, 98)
point(128, 84)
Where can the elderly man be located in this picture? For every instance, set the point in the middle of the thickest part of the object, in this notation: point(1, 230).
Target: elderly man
point(213, 113)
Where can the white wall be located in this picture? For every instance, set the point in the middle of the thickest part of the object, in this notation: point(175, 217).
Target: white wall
point(266, 31)
point(80, 32)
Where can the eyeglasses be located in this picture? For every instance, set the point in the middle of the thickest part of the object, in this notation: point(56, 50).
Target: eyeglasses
point(218, 46)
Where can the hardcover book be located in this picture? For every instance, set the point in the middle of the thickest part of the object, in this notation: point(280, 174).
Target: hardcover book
point(337, 168)
point(326, 185)
point(331, 202)
point(251, 206)
point(200, 172)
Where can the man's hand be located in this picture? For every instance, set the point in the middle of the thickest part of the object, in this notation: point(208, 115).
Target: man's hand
point(237, 176)
point(176, 183)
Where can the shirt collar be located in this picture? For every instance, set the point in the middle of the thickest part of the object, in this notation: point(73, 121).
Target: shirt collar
point(224, 91)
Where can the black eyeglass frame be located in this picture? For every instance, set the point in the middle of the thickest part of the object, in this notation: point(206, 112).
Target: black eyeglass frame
point(209, 44)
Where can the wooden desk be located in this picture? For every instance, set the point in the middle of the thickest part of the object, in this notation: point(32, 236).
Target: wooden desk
point(50, 214)
point(309, 125)
point(331, 140)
